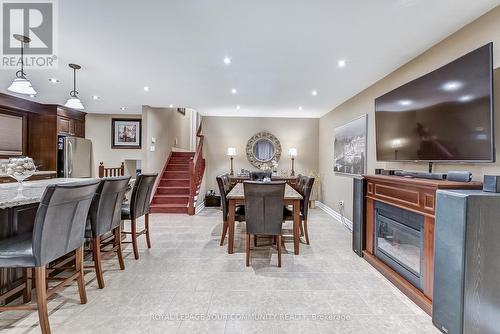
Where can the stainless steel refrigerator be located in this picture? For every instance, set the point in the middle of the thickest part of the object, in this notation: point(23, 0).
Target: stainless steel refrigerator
point(74, 157)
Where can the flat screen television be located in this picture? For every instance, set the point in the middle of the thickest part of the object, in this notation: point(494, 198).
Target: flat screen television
point(446, 115)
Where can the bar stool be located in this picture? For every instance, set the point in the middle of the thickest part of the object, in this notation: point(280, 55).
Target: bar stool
point(105, 216)
point(138, 207)
point(58, 230)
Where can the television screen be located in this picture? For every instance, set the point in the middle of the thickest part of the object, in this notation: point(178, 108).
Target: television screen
point(446, 115)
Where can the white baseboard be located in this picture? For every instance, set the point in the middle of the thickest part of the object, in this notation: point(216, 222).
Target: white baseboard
point(335, 215)
point(199, 208)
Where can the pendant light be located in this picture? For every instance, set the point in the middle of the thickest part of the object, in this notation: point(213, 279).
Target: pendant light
point(20, 84)
point(74, 102)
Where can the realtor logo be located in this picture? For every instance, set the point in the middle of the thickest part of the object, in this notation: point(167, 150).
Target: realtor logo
point(36, 20)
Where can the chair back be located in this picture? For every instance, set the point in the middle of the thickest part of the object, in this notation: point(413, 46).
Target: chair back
point(60, 220)
point(105, 211)
point(224, 183)
point(305, 189)
point(111, 171)
point(141, 194)
point(264, 204)
point(260, 176)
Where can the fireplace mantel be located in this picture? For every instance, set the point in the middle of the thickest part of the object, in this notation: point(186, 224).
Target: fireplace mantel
point(417, 196)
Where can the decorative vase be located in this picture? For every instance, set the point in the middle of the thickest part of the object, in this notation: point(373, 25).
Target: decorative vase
point(20, 169)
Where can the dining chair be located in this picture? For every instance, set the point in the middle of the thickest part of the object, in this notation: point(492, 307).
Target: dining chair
point(59, 229)
point(264, 212)
point(104, 217)
point(224, 183)
point(304, 186)
point(138, 207)
point(260, 176)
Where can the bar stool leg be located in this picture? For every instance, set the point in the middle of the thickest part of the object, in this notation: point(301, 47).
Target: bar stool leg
point(134, 238)
point(41, 299)
point(80, 279)
point(248, 250)
point(28, 285)
point(225, 226)
point(278, 242)
point(146, 223)
point(118, 245)
point(96, 250)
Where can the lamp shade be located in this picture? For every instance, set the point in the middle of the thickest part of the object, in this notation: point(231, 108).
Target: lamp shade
point(74, 103)
point(22, 86)
point(292, 152)
point(231, 151)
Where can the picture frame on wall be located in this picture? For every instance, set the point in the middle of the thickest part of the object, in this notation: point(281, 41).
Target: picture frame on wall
point(349, 148)
point(126, 133)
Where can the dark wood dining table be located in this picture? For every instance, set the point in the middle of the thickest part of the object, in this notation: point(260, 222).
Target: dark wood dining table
point(237, 197)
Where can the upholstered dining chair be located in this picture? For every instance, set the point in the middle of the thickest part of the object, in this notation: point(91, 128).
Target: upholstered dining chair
point(138, 207)
point(304, 186)
point(264, 212)
point(104, 217)
point(224, 183)
point(59, 229)
point(260, 176)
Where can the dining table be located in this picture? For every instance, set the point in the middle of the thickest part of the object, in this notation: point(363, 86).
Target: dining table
point(237, 197)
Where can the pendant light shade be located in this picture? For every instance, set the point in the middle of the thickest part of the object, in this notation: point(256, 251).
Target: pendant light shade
point(21, 85)
point(74, 102)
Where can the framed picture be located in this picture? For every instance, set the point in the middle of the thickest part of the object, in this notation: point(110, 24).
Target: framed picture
point(126, 133)
point(349, 148)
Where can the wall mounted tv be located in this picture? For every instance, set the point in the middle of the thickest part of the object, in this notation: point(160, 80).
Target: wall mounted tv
point(446, 115)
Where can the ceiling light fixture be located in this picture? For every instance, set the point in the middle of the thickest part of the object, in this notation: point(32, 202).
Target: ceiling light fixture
point(227, 60)
point(146, 88)
point(54, 80)
point(20, 84)
point(234, 91)
point(341, 63)
point(314, 92)
point(238, 107)
point(74, 102)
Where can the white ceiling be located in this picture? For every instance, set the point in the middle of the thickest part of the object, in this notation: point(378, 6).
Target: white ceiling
point(281, 50)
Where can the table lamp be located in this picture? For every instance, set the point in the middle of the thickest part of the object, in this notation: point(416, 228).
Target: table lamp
point(292, 153)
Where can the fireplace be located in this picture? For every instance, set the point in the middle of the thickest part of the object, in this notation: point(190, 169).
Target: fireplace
point(399, 241)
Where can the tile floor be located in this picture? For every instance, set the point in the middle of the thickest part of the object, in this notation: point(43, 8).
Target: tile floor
point(186, 277)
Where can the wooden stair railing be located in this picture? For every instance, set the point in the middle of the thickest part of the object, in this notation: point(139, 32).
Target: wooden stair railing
point(196, 170)
point(111, 171)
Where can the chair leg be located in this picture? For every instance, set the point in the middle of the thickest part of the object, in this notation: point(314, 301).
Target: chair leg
point(80, 279)
point(27, 287)
point(134, 238)
point(225, 226)
point(278, 243)
point(305, 231)
point(41, 299)
point(118, 245)
point(96, 251)
point(248, 250)
point(255, 241)
point(146, 222)
point(301, 230)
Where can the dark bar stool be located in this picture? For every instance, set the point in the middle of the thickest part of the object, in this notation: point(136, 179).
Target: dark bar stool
point(104, 217)
point(138, 207)
point(58, 230)
point(264, 212)
point(224, 183)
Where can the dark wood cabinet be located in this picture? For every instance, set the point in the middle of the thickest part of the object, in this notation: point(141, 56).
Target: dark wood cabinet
point(70, 122)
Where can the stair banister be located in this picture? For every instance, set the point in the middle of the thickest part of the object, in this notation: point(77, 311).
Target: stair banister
point(196, 169)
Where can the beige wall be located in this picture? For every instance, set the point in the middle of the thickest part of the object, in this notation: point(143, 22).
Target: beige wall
point(334, 187)
point(98, 129)
point(223, 132)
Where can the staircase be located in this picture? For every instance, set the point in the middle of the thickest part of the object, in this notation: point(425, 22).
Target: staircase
point(180, 181)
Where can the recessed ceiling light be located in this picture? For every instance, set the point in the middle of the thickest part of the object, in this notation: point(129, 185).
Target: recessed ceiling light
point(300, 108)
point(95, 97)
point(227, 60)
point(238, 107)
point(234, 91)
point(54, 80)
point(452, 85)
point(146, 88)
point(405, 102)
point(122, 108)
point(171, 106)
point(341, 63)
point(314, 92)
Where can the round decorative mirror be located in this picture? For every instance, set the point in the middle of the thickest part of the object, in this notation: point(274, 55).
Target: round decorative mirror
point(263, 148)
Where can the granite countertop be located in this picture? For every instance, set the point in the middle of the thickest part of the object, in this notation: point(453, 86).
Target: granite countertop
point(40, 172)
point(12, 195)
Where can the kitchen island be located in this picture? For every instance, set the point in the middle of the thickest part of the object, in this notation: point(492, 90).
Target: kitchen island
point(18, 206)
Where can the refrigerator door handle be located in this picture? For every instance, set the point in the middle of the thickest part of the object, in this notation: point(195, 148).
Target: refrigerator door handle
point(70, 159)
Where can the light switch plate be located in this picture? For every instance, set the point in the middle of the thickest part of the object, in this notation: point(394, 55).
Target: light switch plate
point(152, 148)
